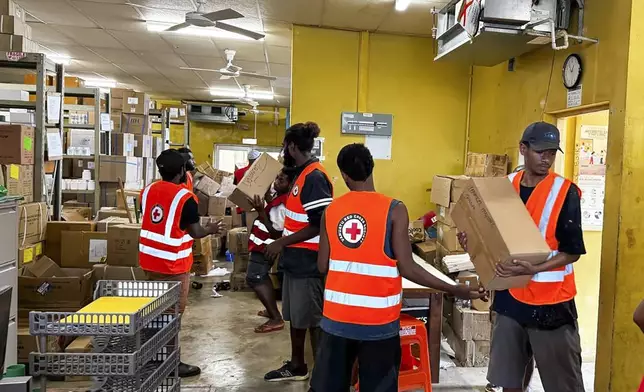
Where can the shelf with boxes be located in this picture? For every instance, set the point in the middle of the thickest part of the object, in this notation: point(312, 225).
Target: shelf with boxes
point(31, 127)
point(15, 33)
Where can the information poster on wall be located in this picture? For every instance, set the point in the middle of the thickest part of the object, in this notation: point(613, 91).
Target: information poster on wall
point(591, 157)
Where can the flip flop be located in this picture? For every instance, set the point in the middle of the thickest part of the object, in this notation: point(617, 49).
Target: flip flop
point(266, 328)
point(263, 313)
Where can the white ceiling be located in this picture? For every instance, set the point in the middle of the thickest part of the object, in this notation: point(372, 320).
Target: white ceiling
point(108, 38)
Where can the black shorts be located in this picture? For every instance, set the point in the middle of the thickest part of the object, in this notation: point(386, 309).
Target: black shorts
point(302, 300)
point(258, 269)
point(378, 363)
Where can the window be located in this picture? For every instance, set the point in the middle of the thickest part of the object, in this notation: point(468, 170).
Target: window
point(229, 157)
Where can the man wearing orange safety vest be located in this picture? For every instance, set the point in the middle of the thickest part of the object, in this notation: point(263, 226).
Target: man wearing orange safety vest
point(190, 166)
point(638, 317)
point(539, 321)
point(365, 249)
point(302, 289)
point(169, 224)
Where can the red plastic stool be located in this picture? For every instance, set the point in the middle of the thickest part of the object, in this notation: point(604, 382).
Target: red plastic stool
point(415, 372)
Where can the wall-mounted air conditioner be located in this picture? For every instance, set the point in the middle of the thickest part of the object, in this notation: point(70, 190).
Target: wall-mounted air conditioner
point(208, 113)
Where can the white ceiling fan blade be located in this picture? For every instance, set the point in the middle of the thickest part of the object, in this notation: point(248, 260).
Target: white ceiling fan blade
point(228, 13)
point(258, 76)
point(178, 26)
point(239, 30)
point(147, 7)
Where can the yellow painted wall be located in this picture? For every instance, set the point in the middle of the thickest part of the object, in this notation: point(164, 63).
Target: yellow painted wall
point(428, 101)
point(503, 103)
point(203, 136)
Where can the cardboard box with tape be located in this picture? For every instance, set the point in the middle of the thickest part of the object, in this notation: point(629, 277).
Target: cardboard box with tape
point(256, 181)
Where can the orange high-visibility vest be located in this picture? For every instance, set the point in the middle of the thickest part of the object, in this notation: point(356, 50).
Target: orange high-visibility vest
point(259, 235)
point(363, 285)
point(296, 217)
point(544, 205)
point(163, 246)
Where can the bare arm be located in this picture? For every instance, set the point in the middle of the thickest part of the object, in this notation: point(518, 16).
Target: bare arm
point(258, 205)
point(409, 268)
point(638, 317)
point(197, 231)
point(324, 252)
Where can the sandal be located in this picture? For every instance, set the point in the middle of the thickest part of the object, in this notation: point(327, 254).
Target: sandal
point(263, 313)
point(266, 327)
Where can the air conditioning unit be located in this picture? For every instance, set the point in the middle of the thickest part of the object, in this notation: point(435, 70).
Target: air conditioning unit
point(208, 113)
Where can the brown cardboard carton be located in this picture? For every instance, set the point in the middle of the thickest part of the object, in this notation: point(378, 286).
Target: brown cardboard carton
point(43, 285)
point(113, 272)
point(122, 144)
point(12, 25)
point(104, 224)
point(149, 171)
point(32, 223)
point(237, 240)
point(202, 245)
point(54, 236)
point(447, 236)
point(499, 229)
point(256, 181)
point(136, 103)
point(123, 245)
point(5, 42)
point(134, 123)
point(29, 344)
point(250, 219)
point(29, 253)
point(83, 249)
point(207, 186)
point(216, 206)
point(444, 214)
point(447, 189)
point(215, 244)
point(19, 181)
point(142, 146)
point(76, 214)
point(16, 144)
point(128, 169)
point(157, 146)
point(416, 231)
point(107, 212)
point(470, 324)
point(426, 250)
point(9, 7)
point(202, 263)
point(486, 165)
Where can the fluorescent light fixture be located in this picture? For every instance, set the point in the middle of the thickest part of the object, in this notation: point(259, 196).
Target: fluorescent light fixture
point(401, 5)
point(106, 83)
point(64, 60)
point(249, 141)
point(235, 93)
point(160, 27)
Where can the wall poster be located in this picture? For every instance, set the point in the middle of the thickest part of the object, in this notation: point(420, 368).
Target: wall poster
point(591, 178)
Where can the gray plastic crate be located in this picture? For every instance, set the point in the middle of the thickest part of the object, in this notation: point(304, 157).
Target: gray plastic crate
point(111, 324)
point(152, 378)
point(119, 357)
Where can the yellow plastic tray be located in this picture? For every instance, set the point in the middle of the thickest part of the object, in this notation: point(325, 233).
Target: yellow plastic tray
point(110, 306)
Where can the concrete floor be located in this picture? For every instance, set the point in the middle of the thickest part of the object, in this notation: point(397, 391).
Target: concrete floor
point(217, 335)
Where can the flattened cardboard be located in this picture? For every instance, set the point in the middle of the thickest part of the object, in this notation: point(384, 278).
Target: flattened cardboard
point(499, 229)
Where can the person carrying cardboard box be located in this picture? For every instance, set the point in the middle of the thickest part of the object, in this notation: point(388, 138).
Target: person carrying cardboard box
point(239, 174)
point(538, 322)
point(170, 222)
point(302, 291)
point(266, 228)
point(365, 252)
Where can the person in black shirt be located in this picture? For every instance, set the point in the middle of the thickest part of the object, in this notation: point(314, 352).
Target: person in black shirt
point(548, 334)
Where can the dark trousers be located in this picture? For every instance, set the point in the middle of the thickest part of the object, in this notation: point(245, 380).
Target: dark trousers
point(378, 364)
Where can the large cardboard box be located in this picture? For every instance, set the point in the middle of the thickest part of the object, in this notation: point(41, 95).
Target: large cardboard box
point(256, 181)
point(470, 324)
point(19, 181)
point(416, 231)
point(448, 237)
point(123, 245)
point(129, 169)
point(216, 206)
point(136, 103)
point(142, 146)
point(54, 241)
point(107, 212)
point(29, 253)
point(114, 272)
point(122, 144)
point(105, 224)
point(426, 250)
point(21, 43)
point(9, 7)
point(207, 186)
point(83, 249)
point(499, 229)
point(158, 146)
point(202, 263)
point(32, 223)
point(149, 171)
point(13, 25)
point(16, 144)
point(444, 214)
point(43, 285)
point(202, 245)
point(134, 123)
point(486, 165)
point(237, 240)
point(447, 189)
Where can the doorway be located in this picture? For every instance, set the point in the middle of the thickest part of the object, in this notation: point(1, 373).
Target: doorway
point(584, 140)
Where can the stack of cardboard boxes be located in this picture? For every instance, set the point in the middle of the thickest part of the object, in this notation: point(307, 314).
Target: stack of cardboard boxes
point(237, 241)
point(202, 253)
point(15, 33)
point(17, 160)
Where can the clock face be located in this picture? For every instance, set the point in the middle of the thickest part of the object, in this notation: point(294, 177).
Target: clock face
point(572, 71)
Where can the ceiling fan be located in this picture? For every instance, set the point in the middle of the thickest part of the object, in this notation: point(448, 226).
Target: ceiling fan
point(231, 70)
point(245, 99)
point(212, 19)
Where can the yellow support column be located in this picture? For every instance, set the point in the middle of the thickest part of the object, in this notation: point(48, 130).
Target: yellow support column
point(620, 344)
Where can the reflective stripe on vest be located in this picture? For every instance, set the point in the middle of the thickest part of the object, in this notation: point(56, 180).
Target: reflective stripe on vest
point(317, 203)
point(297, 217)
point(314, 240)
point(260, 235)
point(557, 285)
point(363, 284)
point(163, 254)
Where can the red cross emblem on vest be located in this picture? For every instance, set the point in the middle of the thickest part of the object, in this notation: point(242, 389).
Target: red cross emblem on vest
point(156, 214)
point(352, 230)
